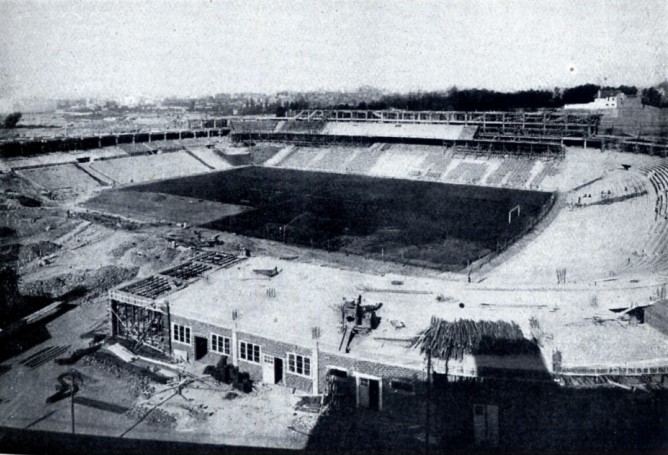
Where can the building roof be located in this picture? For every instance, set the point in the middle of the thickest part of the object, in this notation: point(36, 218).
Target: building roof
point(608, 92)
point(285, 306)
point(301, 296)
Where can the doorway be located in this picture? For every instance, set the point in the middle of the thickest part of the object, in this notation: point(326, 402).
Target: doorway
point(201, 347)
point(374, 394)
point(278, 370)
point(338, 373)
point(369, 393)
point(486, 425)
point(272, 369)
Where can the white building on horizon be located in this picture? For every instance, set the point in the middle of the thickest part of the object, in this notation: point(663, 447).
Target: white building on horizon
point(605, 99)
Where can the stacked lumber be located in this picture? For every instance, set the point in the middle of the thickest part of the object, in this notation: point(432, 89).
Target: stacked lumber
point(446, 339)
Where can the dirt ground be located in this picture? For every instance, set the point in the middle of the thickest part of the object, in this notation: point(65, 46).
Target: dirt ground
point(53, 252)
point(150, 207)
point(114, 402)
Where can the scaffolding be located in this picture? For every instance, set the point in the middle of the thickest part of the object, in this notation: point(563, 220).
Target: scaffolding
point(475, 146)
point(540, 123)
point(139, 311)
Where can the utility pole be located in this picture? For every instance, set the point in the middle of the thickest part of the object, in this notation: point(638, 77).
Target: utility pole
point(72, 398)
point(427, 424)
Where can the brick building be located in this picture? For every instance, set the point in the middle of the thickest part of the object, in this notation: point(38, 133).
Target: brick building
point(282, 322)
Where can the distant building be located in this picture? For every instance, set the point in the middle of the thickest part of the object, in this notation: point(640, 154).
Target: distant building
point(605, 99)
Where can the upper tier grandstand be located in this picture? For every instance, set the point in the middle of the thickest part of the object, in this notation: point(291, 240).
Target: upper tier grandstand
point(542, 123)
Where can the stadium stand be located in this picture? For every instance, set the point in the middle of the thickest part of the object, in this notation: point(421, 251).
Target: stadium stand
point(467, 172)
point(104, 180)
point(317, 154)
point(646, 208)
point(406, 130)
point(165, 146)
point(280, 156)
point(143, 168)
point(60, 176)
point(365, 159)
point(550, 168)
point(500, 173)
point(400, 160)
point(658, 177)
point(247, 126)
point(424, 162)
point(40, 160)
point(105, 153)
point(299, 159)
point(210, 158)
point(279, 126)
point(613, 187)
point(135, 149)
point(469, 132)
point(520, 172)
point(300, 126)
point(333, 159)
point(436, 162)
point(195, 142)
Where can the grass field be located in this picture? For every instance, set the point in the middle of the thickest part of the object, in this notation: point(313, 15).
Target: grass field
point(432, 224)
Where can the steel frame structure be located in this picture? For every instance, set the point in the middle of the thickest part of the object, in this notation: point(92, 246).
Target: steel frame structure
point(482, 146)
point(542, 123)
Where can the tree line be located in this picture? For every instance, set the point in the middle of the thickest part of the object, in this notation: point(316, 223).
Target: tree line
point(453, 99)
point(456, 99)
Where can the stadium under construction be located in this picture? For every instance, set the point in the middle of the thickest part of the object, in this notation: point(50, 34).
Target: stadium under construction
point(360, 234)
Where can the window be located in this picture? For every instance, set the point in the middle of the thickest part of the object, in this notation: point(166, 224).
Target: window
point(299, 364)
point(249, 352)
point(220, 344)
point(402, 386)
point(181, 334)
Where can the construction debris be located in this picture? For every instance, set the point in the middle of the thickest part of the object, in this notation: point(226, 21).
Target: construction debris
point(229, 374)
point(397, 324)
point(394, 291)
point(309, 403)
point(78, 354)
point(153, 416)
point(268, 272)
point(446, 340)
point(45, 355)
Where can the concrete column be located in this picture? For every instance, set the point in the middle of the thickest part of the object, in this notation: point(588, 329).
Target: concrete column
point(315, 367)
point(235, 347)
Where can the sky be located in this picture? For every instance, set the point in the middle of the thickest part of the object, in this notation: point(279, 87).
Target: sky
point(102, 48)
